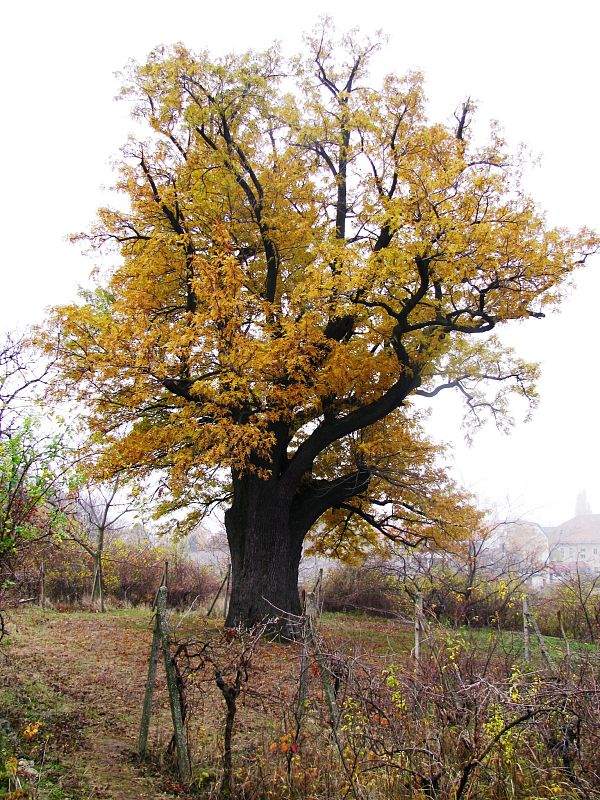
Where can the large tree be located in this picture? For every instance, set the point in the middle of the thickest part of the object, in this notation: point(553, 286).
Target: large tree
point(300, 254)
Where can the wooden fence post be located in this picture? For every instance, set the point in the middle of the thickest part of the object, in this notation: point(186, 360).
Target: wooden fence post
point(218, 594)
point(564, 634)
point(531, 620)
point(526, 637)
point(161, 636)
point(418, 625)
point(227, 593)
point(147, 708)
point(318, 593)
point(311, 616)
point(303, 687)
point(185, 770)
point(43, 584)
point(309, 624)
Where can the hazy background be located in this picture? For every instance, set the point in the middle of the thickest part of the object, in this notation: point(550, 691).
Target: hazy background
point(532, 65)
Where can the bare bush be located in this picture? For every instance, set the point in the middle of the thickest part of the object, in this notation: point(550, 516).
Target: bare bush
point(132, 573)
point(469, 720)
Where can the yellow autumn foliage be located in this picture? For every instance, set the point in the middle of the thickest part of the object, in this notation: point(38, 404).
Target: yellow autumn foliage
point(298, 254)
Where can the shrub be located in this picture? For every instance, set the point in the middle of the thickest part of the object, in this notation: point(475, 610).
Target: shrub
point(360, 588)
point(132, 574)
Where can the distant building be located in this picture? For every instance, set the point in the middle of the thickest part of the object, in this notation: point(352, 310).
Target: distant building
point(582, 507)
point(527, 538)
point(207, 548)
point(576, 543)
point(573, 545)
point(523, 547)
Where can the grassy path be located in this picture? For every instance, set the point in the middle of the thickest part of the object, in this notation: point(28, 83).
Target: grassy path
point(83, 676)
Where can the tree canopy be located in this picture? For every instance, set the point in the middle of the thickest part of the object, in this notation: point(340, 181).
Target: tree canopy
point(299, 254)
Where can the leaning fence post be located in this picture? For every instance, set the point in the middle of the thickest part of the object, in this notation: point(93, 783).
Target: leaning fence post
point(311, 615)
point(318, 592)
point(564, 634)
point(526, 637)
point(334, 714)
point(227, 597)
point(147, 708)
point(160, 637)
point(218, 594)
point(303, 686)
point(309, 625)
point(538, 635)
point(174, 699)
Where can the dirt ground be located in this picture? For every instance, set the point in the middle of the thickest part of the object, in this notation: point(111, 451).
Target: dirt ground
point(87, 673)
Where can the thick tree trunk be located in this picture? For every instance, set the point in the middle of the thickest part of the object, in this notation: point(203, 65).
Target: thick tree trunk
point(265, 555)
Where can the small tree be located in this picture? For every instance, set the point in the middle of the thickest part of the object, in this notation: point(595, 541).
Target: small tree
point(98, 511)
point(303, 253)
point(32, 463)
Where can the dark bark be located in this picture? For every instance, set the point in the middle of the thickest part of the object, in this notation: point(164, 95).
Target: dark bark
point(266, 547)
point(269, 519)
point(266, 527)
point(230, 695)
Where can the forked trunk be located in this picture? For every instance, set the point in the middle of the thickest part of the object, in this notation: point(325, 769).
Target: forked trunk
point(265, 556)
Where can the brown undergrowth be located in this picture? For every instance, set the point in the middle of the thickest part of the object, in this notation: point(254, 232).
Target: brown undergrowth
point(470, 721)
point(82, 677)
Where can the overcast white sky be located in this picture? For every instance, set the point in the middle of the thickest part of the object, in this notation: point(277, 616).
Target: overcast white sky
point(531, 64)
